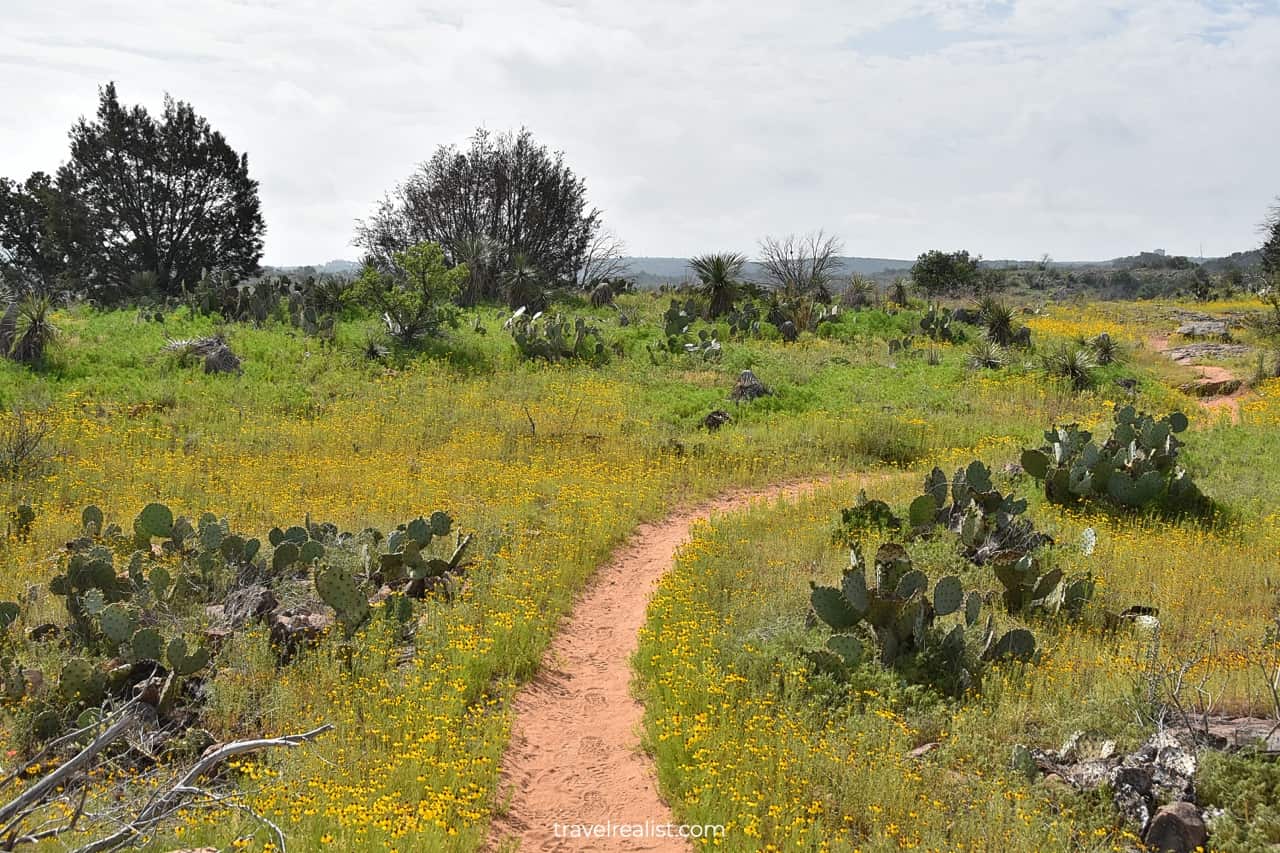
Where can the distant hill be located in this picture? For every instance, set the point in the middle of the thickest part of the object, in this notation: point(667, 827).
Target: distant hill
point(335, 267)
point(653, 271)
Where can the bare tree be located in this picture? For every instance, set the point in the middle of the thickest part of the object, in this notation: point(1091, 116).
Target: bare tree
point(801, 266)
point(603, 259)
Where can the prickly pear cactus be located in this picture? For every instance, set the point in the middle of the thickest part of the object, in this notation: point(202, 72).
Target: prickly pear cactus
point(82, 682)
point(146, 644)
point(91, 520)
point(183, 663)
point(117, 623)
point(155, 521)
point(338, 589)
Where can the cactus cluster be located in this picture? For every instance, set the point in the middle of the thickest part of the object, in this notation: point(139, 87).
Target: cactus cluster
point(986, 520)
point(1136, 467)
point(1028, 588)
point(898, 613)
point(937, 324)
point(679, 336)
point(556, 337)
point(743, 319)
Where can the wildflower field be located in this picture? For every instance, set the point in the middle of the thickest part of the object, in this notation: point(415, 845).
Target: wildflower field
point(549, 467)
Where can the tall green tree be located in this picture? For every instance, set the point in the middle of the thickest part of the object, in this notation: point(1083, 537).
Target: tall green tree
point(937, 273)
point(163, 195)
point(30, 254)
point(718, 277)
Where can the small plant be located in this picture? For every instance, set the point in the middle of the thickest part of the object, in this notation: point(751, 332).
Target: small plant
point(997, 320)
point(26, 328)
point(1106, 350)
point(1074, 364)
point(986, 355)
point(1136, 467)
point(865, 515)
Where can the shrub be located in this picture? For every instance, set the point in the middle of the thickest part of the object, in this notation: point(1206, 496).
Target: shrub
point(415, 296)
point(24, 444)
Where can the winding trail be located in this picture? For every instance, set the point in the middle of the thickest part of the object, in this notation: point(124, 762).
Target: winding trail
point(1227, 403)
point(575, 756)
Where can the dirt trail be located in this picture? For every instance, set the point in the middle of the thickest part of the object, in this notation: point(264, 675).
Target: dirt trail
point(575, 754)
point(1229, 403)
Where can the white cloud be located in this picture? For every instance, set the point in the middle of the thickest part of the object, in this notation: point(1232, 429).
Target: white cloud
point(1073, 127)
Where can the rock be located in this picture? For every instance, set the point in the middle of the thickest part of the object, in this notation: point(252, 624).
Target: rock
point(748, 388)
point(249, 604)
point(924, 749)
point(1071, 747)
point(1233, 733)
point(1197, 352)
point(216, 637)
point(714, 420)
point(1207, 387)
point(1131, 792)
point(292, 629)
point(42, 632)
point(1176, 828)
point(1012, 469)
point(1128, 383)
point(1022, 337)
point(1205, 329)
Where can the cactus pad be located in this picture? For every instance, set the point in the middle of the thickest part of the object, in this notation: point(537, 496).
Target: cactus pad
point(947, 595)
point(117, 623)
point(155, 520)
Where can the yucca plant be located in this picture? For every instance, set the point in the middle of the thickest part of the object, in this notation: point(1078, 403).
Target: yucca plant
point(26, 328)
point(718, 280)
point(523, 283)
point(1106, 350)
point(861, 293)
point(997, 321)
point(1072, 363)
point(986, 355)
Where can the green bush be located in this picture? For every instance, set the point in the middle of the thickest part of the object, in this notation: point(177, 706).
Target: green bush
point(414, 297)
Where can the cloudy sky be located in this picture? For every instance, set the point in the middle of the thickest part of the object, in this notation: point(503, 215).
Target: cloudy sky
point(1078, 129)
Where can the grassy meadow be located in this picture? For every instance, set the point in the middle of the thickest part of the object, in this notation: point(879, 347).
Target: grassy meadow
point(550, 466)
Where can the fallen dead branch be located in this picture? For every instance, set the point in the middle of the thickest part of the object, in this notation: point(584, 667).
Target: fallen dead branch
point(166, 803)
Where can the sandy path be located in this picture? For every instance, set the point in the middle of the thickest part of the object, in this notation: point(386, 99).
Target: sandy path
point(575, 754)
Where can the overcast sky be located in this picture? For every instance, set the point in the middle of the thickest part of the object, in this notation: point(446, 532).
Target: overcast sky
point(1080, 129)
